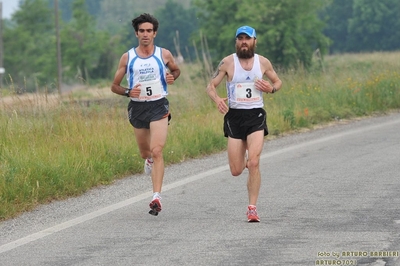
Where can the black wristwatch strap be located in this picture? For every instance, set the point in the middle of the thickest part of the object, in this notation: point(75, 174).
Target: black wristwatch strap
point(127, 92)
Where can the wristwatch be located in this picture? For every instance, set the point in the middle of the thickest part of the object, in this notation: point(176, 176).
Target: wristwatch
point(273, 89)
point(127, 92)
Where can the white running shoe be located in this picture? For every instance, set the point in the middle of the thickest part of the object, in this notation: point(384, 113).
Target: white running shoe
point(148, 166)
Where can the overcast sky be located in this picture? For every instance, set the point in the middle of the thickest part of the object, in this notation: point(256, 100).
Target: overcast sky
point(9, 7)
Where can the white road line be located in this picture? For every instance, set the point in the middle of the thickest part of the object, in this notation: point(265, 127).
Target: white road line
point(119, 205)
point(332, 137)
point(108, 209)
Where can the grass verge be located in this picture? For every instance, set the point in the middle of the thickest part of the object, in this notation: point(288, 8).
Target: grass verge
point(52, 149)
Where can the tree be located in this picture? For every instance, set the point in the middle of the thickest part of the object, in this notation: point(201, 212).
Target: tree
point(30, 46)
point(115, 15)
point(288, 31)
point(82, 46)
point(65, 6)
point(363, 25)
point(337, 16)
point(176, 27)
point(374, 25)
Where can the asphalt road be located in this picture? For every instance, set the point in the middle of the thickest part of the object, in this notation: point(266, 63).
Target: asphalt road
point(329, 196)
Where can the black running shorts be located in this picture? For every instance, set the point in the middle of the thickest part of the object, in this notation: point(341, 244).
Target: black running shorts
point(239, 123)
point(140, 114)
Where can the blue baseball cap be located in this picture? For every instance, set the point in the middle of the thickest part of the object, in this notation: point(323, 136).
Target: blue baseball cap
point(249, 31)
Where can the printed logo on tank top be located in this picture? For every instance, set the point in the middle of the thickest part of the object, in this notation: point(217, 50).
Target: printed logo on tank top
point(146, 72)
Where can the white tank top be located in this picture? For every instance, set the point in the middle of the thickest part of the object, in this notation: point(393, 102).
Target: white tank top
point(241, 91)
point(150, 72)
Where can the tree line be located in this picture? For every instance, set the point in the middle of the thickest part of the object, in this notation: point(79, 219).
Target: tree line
point(95, 33)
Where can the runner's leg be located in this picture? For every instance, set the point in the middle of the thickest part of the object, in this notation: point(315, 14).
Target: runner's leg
point(143, 141)
point(255, 143)
point(236, 153)
point(158, 137)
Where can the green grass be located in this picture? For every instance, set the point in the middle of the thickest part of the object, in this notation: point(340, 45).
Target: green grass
point(51, 150)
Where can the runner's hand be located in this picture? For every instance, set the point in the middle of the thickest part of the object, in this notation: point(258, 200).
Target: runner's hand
point(169, 78)
point(263, 85)
point(221, 105)
point(135, 92)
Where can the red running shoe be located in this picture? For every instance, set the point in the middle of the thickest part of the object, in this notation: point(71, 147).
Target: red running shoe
point(252, 215)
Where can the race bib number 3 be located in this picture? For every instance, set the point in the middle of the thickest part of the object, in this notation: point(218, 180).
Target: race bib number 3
point(150, 90)
point(247, 92)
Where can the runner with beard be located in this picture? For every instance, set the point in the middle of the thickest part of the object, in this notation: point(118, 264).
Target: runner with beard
point(247, 75)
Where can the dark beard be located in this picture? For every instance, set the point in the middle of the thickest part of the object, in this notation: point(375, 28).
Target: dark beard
point(245, 54)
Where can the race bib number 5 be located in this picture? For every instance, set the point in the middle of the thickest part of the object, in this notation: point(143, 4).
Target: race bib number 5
point(150, 90)
point(247, 92)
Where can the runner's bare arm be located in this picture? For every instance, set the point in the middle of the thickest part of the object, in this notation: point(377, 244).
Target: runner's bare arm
point(274, 83)
point(174, 70)
point(119, 75)
point(218, 76)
